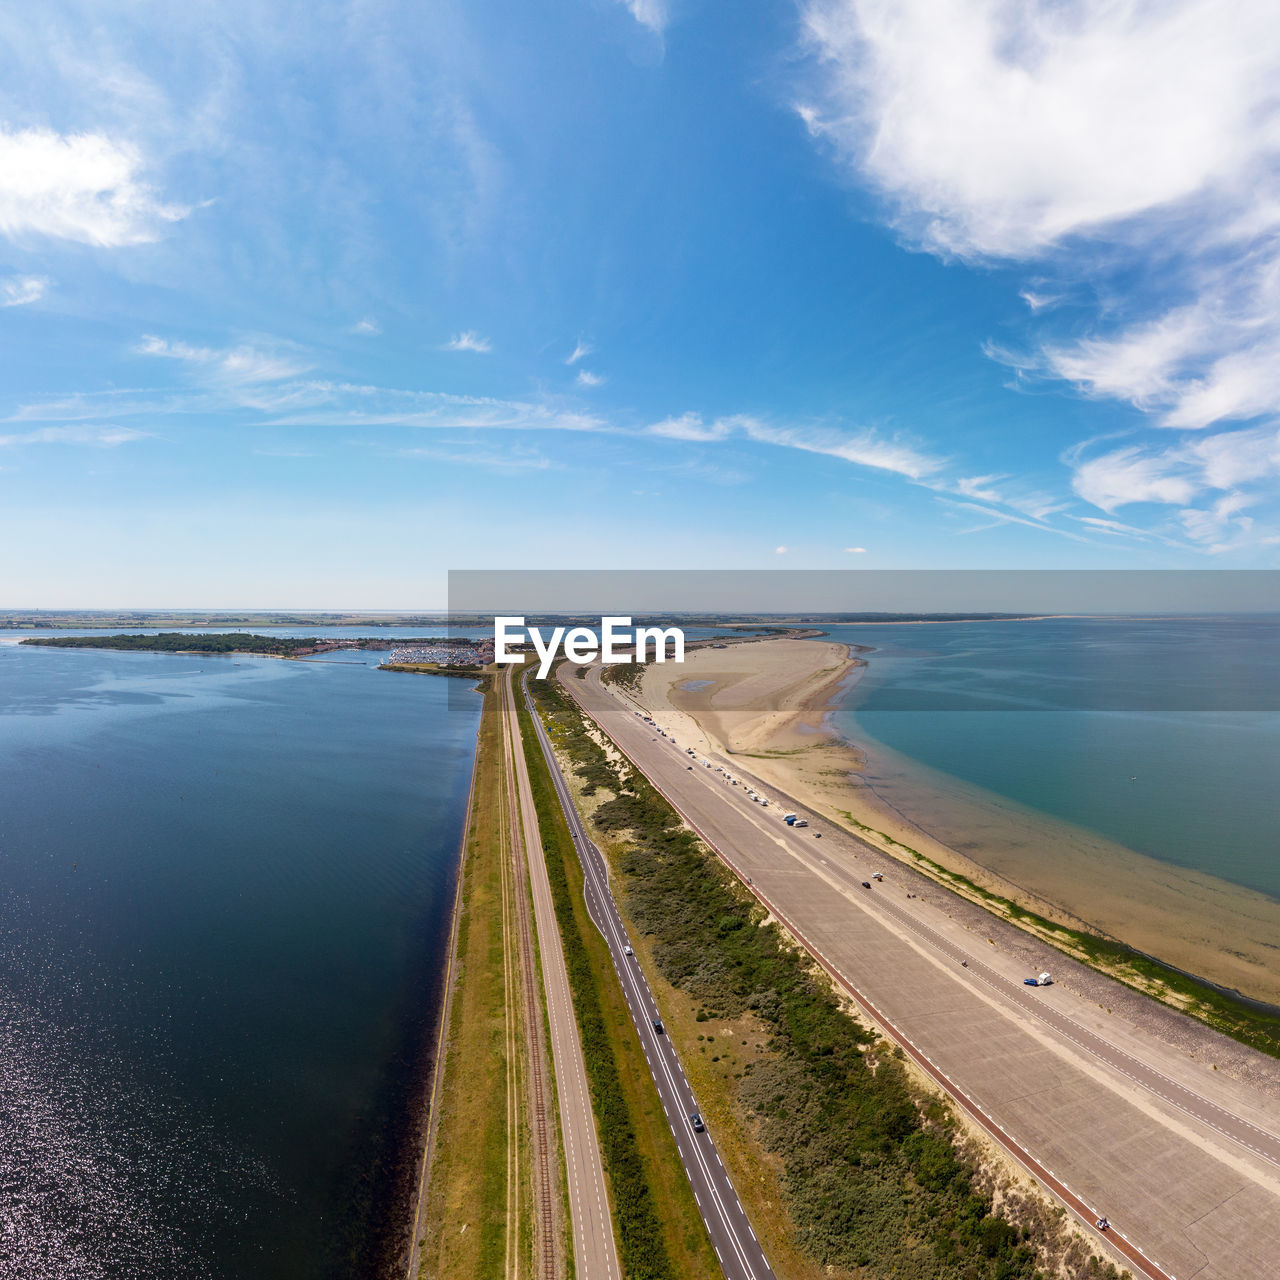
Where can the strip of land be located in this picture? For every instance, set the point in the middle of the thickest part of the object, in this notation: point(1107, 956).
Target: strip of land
point(845, 1166)
point(766, 704)
point(1184, 1161)
point(594, 1249)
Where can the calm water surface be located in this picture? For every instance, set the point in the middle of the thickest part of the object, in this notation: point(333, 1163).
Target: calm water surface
point(224, 896)
point(1162, 735)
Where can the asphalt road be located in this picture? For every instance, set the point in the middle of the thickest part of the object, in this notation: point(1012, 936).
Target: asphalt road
point(740, 1254)
point(594, 1250)
point(1191, 1186)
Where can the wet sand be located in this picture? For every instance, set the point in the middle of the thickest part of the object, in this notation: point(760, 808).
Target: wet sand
point(769, 702)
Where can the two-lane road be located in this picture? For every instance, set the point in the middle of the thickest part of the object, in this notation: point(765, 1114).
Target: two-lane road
point(735, 1242)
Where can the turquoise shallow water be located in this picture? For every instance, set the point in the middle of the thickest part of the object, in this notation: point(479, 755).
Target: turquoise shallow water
point(1162, 735)
point(224, 897)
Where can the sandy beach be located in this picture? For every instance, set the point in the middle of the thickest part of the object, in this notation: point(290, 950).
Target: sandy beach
point(767, 702)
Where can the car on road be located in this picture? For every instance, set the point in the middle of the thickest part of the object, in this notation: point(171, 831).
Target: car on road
point(658, 1027)
point(626, 951)
point(695, 1119)
point(866, 884)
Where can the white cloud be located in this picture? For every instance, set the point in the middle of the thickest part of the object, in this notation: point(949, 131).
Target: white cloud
point(102, 437)
point(84, 187)
point(588, 379)
point(324, 404)
point(582, 349)
point(649, 13)
point(17, 291)
point(863, 448)
point(1037, 301)
point(996, 518)
point(506, 462)
point(779, 551)
point(243, 365)
point(468, 340)
point(690, 426)
point(981, 487)
point(855, 551)
point(1129, 475)
point(368, 327)
point(1001, 128)
point(1126, 152)
point(1211, 479)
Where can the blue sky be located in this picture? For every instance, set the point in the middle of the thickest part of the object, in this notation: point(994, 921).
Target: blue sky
point(304, 305)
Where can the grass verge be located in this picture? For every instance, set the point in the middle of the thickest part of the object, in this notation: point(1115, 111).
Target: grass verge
point(465, 1232)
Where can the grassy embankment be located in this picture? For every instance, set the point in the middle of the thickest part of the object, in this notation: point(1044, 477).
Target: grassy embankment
point(467, 1235)
point(847, 1165)
point(660, 1232)
point(436, 669)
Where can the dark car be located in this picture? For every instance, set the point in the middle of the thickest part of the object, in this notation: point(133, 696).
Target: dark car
point(695, 1119)
point(658, 1027)
point(866, 884)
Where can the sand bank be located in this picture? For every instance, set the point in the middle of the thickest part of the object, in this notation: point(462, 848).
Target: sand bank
point(766, 702)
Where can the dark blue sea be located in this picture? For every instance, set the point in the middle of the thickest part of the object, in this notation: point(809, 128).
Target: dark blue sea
point(225, 887)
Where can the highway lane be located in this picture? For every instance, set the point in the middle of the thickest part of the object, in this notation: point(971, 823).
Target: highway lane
point(1197, 1195)
point(740, 1253)
point(594, 1249)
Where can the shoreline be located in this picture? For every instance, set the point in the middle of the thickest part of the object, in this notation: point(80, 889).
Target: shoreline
point(778, 717)
point(427, 1123)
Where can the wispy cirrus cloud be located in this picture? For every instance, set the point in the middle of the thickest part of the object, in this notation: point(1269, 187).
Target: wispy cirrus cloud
point(588, 379)
point(1213, 481)
point(993, 518)
point(241, 364)
point(17, 291)
point(504, 462)
point(99, 436)
point(581, 350)
point(85, 187)
point(863, 448)
point(367, 327)
point(468, 340)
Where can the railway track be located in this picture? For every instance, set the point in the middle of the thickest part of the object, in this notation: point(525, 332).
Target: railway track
point(538, 1092)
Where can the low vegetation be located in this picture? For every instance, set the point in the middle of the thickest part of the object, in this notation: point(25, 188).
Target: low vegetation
point(465, 1231)
point(437, 669)
point(186, 642)
point(878, 1179)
